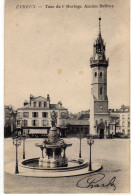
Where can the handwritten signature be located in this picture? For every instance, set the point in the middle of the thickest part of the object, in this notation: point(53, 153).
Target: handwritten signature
point(94, 181)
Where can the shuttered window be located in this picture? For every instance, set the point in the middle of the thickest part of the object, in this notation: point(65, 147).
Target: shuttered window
point(25, 114)
point(34, 114)
point(44, 114)
point(44, 122)
point(35, 123)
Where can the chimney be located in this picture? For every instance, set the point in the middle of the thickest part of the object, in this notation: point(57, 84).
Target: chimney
point(25, 103)
point(31, 97)
point(48, 98)
point(59, 104)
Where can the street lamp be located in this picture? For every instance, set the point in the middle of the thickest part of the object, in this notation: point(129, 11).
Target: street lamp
point(80, 136)
point(90, 142)
point(24, 137)
point(19, 125)
point(16, 141)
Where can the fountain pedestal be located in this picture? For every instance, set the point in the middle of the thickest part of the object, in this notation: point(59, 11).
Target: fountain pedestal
point(53, 147)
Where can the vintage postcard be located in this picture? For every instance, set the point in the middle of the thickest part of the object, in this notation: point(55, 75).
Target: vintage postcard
point(66, 96)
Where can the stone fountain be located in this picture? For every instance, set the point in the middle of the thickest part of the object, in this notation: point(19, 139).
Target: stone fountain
point(53, 148)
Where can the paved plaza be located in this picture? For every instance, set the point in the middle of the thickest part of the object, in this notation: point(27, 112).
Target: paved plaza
point(112, 154)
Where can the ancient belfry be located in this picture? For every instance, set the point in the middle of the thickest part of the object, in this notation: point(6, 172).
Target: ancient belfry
point(99, 115)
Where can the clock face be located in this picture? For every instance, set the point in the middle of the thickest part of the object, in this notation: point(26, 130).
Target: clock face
point(63, 115)
point(101, 107)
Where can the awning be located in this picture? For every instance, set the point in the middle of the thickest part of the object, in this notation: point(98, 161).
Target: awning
point(37, 131)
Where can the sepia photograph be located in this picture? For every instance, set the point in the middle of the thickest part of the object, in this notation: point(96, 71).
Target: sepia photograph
point(66, 96)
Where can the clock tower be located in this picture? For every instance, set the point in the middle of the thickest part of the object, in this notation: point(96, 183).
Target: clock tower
point(99, 116)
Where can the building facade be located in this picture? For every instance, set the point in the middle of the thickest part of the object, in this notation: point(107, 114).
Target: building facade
point(35, 116)
point(120, 121)
point(99, 115)
point(9, 120)
point(78, 123)
point(74, 127)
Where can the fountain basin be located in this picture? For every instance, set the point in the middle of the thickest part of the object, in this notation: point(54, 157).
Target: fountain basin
point(33, 163)
point(30, 172)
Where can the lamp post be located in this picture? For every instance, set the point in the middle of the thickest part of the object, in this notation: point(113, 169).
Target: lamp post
point(81, 136)
point(24, 137)
point(16, 142)
point(90, 142)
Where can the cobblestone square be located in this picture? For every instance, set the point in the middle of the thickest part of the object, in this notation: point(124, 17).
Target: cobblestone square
point(112, 154)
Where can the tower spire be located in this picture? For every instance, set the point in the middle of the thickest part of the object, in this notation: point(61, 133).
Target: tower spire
point(99, 48)
point(99, 25)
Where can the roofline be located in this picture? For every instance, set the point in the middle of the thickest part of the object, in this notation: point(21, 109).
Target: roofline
point(41, 109)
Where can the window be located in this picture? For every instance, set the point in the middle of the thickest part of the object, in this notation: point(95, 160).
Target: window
point(100, 74)
point(34, 104)
point(45, 122)
point(128, 124)
point(45, 104)
point(123, 124)
point(35, 122)
point(63, 115)
point(101, 90)
point(123, 116)
point(19, 114)
point(24, 123)
point(95, 74)
point(34, 114)
point(44, 114)
point(18, 122)
point(40, 104)
point(26, 114)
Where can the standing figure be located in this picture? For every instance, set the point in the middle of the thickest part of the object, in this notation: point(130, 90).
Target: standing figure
point(54, 119)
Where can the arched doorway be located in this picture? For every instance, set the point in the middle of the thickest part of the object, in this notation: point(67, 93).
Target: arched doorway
point(101, 128)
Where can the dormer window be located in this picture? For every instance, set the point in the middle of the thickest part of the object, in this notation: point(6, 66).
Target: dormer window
point(45, 104)
point(95, 74)
point(100, 74)
point(39, 104)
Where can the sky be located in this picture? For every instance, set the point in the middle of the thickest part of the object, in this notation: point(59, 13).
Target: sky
point(47, 51)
